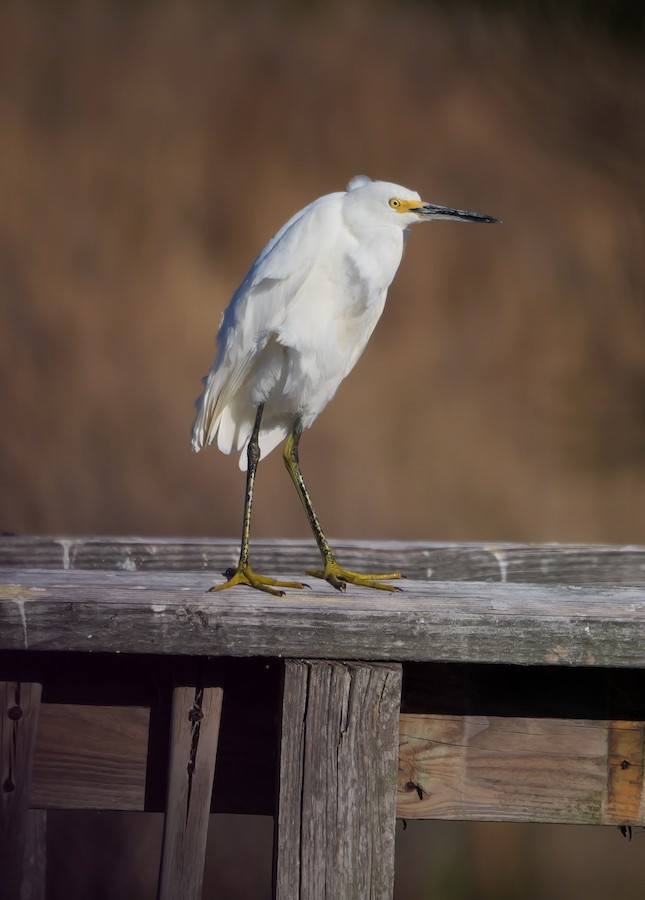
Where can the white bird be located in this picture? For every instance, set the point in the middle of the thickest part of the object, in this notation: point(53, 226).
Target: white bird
point(294, 329)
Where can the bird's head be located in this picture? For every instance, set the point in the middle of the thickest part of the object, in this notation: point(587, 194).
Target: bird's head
point(394, 204)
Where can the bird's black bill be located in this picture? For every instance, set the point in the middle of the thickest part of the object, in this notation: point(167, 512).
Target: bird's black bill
point(430, 211)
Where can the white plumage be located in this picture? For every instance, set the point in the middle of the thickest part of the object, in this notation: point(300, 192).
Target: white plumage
point(303, 315)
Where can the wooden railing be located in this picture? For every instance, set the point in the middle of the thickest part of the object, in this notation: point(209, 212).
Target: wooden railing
point(503, 683)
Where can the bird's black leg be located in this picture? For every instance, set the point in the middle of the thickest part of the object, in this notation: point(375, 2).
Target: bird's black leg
point(244, 574)
point(332, 572)
point(253, 458)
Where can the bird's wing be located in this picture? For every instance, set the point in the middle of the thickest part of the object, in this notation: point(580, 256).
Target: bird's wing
point(304, 238)
point(260, 305)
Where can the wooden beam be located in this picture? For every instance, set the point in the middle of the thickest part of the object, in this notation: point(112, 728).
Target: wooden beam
point(193, 748)
point(102, 738)
point(162, 613)
point(335, 831)
point(420, 560)
point(95, 758)
point(90, 757)
point(517, 770)
point(19, 707)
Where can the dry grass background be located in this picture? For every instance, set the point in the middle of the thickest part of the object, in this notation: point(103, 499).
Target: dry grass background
point(148, 150)
point(147, 153)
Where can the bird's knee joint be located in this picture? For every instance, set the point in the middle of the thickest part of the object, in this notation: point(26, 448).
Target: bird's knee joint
point(253, 453)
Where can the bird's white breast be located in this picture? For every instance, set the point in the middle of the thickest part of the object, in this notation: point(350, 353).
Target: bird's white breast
point(334, 315)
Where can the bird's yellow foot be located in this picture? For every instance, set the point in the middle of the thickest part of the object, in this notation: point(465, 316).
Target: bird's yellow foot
point(340, 578)
point(244, 574)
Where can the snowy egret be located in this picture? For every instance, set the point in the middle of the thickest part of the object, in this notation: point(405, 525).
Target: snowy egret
point(294, 329)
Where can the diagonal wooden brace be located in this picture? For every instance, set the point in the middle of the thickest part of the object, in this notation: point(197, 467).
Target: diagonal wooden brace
point(193, 748)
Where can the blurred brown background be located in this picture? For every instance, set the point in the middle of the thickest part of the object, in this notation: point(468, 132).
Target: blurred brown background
point(147, 152)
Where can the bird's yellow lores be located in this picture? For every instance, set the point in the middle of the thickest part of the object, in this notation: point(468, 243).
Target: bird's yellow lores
point(294, 329)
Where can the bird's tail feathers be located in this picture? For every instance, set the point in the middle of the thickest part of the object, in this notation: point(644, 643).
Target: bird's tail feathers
point(207, 417)
point(226, 413)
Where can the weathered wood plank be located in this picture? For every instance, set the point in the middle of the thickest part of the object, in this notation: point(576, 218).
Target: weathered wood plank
point(193, 748)
point(427, 561)
point(336, 815)
point(93, 749)
point(95, 758)
point(90, 757)
point(19, 707)
point(625, 803)
point(287, 829)
point(519, 769)
point(164, 613)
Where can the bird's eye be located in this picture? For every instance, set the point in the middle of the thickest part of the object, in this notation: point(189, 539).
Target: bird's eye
point(395, 203)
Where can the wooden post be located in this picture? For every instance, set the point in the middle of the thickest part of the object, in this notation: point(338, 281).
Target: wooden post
point(338, 769)
point(194, 733)
point(19, 707)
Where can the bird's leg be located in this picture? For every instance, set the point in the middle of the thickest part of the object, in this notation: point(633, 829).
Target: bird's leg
point(244, 574)
point(332, 572)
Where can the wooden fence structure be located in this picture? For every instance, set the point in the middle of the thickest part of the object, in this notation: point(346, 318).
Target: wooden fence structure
point(503, 682)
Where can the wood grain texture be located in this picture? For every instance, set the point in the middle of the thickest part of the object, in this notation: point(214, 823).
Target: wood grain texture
point(337, 781)
point(625, 802)
point(518, 770)
point(95, 758)
point(172, 613)
point(425, 561)
point(19, 708)
point(90, 757)
point(93, 749)
point(194, 733)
